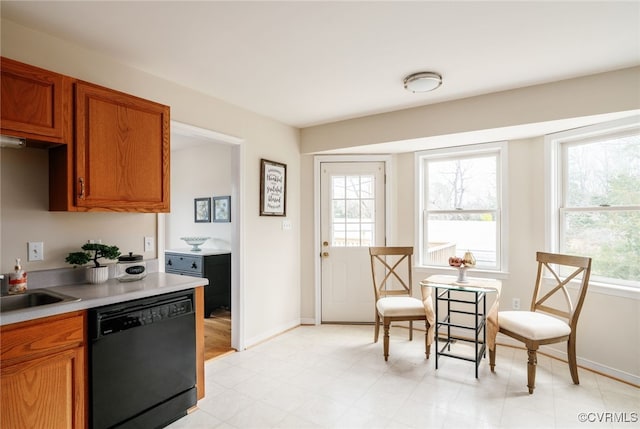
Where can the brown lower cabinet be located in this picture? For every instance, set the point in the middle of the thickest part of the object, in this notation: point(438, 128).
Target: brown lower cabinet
point(43, 373)
point(43, 370)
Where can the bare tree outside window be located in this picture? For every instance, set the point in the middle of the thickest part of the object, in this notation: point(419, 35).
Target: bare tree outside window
point(462, 208)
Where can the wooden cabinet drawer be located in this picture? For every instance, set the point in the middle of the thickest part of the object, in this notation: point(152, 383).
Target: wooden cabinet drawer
point(27, 340)
point(184, 264)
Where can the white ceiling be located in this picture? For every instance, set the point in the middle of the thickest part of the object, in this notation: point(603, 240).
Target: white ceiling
point(305, 63)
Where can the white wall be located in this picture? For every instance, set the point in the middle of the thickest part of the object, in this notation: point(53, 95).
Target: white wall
point(270, 255)
point(197, 172)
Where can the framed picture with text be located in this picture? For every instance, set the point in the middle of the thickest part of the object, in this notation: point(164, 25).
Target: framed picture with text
point(273, 188)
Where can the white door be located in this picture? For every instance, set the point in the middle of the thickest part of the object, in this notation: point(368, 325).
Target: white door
point(352, 218)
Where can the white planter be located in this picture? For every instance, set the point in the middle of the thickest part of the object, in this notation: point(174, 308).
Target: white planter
point(462, 275)
point(97, 274)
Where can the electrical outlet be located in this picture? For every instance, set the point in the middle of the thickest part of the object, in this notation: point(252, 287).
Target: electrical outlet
point(516, 303)
point(35, 251)
point(148, 244)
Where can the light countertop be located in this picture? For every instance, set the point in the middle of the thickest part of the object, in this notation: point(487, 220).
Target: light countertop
point(110, 292)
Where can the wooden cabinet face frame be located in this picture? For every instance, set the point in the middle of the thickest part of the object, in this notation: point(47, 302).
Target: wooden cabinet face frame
point(108, 151)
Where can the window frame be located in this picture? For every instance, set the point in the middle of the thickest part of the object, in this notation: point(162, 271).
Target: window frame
point(500, 149)
point(556, 145)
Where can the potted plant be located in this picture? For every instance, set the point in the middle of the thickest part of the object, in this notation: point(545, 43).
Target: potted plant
point(92, 252)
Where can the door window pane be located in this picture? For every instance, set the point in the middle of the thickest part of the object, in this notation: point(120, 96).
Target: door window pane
point(353, 217)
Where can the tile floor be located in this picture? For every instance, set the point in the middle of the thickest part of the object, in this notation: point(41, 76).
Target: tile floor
point(334, 376)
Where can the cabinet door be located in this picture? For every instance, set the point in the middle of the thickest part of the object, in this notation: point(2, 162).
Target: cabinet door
point(218, 293)
point(35, 103)
point(45, 392)
point(122, 151)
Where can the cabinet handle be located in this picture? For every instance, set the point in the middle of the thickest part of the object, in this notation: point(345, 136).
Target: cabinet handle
point(81, 180)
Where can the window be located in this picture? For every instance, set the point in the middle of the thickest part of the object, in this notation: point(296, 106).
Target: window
point(461, 204)
point(597, 204)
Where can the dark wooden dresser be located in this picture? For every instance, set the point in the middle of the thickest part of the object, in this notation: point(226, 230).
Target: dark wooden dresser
point(213, 265)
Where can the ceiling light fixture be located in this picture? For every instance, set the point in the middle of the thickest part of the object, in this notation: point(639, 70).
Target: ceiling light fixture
point(422, 82)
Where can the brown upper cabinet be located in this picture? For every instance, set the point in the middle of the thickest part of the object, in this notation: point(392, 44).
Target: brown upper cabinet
point(35, 103)
point(112, 152)
point(121, 151)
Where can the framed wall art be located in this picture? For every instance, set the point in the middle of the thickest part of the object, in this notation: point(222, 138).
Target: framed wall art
point(222, 209)
point(202, 209)
point(273, 188)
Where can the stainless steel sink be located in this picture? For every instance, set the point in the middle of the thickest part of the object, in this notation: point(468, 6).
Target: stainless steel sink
point(33, 298)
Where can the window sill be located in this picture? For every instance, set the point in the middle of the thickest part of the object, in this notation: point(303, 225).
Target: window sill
point(614, 290)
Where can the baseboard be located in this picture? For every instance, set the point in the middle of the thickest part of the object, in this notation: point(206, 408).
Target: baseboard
point(254, 341)
point(307, 321)
point(503, 340)
point(607, 371)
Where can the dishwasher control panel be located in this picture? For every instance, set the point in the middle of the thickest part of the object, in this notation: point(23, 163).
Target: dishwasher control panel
point(140, 314)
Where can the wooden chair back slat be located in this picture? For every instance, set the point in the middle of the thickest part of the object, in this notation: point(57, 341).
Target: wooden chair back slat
point(396, 262)
point(551, 263)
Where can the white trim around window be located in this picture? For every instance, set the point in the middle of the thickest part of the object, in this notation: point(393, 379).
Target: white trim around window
point(499, 149)
point(555, 167)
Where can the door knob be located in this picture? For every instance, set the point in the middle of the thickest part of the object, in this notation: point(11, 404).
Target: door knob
point(325, 243)
point(325, 254)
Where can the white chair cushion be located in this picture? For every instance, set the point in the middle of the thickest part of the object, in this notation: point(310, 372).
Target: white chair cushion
point(533, 325)
point(392, 306)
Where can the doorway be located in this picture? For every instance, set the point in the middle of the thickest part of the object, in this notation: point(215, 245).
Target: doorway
point(205, 165)
point(351, 200)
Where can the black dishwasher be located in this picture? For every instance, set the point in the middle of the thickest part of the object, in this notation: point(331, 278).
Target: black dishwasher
point(142, 361)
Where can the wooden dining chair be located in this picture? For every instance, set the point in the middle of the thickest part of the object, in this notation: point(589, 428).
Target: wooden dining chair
point(549, 320)
point(392, 285)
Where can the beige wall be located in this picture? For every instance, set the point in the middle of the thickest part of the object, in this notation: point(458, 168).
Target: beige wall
point(25, 217)
point(270, 255)
point(278, 265)
point(573, 98)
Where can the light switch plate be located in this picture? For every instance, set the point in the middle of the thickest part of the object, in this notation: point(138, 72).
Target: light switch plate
point(286, 225)
point(35, 251)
